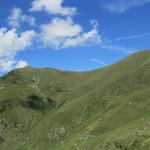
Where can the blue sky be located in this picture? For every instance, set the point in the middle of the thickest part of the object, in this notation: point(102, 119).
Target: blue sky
point(71, 34)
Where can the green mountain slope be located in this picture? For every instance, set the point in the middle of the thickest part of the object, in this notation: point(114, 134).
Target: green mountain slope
point(104, 109)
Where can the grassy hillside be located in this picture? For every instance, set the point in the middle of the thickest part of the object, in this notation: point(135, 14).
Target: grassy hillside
point(104, 109)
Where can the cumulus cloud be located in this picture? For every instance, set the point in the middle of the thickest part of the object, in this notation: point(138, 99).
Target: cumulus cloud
point(17, 17)
point(8, 64)
point(85, 39)
point(60, 33)
point(21, 64)
point(52, 7)
point(10, 44)
point(120, 6)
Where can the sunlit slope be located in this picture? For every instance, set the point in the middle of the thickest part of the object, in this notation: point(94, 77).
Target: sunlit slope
point(105, 109)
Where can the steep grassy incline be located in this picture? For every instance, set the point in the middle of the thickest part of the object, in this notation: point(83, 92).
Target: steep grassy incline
point(106, 109)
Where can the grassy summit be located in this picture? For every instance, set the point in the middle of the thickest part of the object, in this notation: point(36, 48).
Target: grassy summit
point(105, 109)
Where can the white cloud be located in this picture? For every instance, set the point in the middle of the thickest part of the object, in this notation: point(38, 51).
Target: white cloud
point(53, 7)
point(63, 33)
point(98, 61)
point(85, 39)
point(9, 64)
point(10, 44)
point(22, 64)
point(17, 17)
point(59, 33)
point(120, 6)
point(6, 65)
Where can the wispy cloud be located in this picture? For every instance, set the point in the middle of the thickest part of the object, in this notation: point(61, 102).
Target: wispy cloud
point(98, 61)
point(111, 44)
point(136, 36)
point(132, 37)
point(122, 49)
point(120, 6)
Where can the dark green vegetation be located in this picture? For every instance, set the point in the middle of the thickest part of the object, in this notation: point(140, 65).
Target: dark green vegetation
point(106, 109)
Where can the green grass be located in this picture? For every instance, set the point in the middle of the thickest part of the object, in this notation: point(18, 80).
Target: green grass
point(103, 109)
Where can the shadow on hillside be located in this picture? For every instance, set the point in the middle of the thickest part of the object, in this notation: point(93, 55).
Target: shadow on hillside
point(36, 102)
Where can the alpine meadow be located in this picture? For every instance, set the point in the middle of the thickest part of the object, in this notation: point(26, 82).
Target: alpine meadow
point(108, 108)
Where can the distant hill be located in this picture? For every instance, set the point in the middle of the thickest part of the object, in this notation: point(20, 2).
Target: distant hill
point(103, 109)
